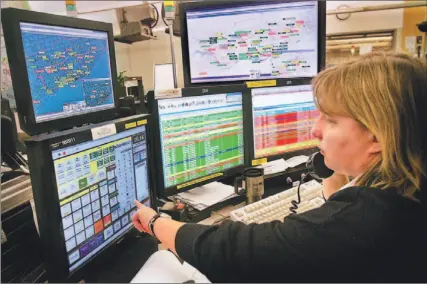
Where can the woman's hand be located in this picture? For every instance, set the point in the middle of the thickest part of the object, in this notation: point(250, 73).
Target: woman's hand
point(166, 228)
point(141, 217)
point(333, 183)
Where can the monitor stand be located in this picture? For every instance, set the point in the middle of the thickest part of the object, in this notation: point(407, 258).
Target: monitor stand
point(121, 263)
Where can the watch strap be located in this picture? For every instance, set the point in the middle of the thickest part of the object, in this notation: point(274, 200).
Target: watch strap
point(151, 223)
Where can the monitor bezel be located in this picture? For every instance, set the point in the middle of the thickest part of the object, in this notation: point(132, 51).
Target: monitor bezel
point(162, 191)
point(185, 6)
point(46, 194)
point(253, 161)
point(11, 19)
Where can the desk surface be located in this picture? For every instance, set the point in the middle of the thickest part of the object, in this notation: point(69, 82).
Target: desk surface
point(216, 218)
point(221, 215)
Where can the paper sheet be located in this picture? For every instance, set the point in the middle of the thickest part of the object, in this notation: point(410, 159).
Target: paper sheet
point(410, 43)
point(163, 77)
point(281, 165)
point(207, 195)
point(273, 167)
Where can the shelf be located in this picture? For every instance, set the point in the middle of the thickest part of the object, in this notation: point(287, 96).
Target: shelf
point(133, 38)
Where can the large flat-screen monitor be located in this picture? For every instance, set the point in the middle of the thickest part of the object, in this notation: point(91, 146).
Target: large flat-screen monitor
point(85, 182)
point(63, 69)
point(200, 138)
point(251, 40)
point(282, 118)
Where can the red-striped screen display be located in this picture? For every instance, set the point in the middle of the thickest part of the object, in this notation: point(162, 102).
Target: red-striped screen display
point(282, 119)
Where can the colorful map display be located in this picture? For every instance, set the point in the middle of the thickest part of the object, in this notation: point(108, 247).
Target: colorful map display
point(283, 119)
point(68, 70)
point(200, 136)
point(253, 42)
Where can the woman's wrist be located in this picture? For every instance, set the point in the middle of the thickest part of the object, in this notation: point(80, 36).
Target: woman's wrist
point(154, 220)
point(166, 230)
point(146, 220)
point(151, 223)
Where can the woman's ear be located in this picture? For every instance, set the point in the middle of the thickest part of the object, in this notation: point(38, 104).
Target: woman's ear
point(375, 147)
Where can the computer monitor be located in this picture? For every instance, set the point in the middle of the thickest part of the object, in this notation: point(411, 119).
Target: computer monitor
point(281, 120)
point(251, 40)
point(85, 182)
point(199, 137)
point(63, 69)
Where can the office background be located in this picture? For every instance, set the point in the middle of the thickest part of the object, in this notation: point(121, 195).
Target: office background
point(396, 28)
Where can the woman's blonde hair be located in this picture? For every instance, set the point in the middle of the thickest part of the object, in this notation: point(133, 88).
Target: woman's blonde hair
point(386, 94)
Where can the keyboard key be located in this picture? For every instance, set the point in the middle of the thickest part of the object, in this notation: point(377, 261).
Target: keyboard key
point(276, 207)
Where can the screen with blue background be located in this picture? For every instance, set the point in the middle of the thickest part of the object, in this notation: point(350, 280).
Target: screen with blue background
point(68, 70)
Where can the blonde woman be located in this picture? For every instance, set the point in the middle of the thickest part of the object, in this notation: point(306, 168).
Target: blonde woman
point(372, 127)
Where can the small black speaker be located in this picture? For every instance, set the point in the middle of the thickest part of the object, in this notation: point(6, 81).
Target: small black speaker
point(8, 136)
point(423, 27)
point(7, 111)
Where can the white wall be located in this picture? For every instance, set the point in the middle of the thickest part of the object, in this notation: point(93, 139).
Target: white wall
point(147, 53)
point(366, 21)
point(51, 7)
point(88, 6)
point(58, 7)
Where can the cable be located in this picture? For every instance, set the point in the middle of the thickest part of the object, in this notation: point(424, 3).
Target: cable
point(163, 15)
point(24, 170)
point(157, 16)
point(295, 203)
point(220, 220)
point(223, 218)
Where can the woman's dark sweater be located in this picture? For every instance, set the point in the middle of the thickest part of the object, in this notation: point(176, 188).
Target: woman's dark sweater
point(358, 235)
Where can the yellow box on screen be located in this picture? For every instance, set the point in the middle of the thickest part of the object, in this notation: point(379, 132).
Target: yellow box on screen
point(199, 180)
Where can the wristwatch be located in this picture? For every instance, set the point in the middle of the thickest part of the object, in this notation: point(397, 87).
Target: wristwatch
point(153, 219)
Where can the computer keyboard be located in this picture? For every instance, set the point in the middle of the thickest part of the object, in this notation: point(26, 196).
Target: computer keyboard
point(276, 207)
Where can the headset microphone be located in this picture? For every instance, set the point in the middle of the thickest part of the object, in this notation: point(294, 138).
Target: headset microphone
point(317, 169)
point(316, 166)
